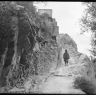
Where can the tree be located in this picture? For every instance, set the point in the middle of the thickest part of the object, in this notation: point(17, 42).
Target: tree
point(88, 23)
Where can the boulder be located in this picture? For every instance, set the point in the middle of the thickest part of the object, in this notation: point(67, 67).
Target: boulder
point(65, 40)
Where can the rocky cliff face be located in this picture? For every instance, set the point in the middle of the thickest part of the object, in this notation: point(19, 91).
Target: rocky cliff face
point(28, 44)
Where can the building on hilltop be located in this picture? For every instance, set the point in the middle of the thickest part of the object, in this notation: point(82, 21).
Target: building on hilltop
point(51, 22)
point(48, 11)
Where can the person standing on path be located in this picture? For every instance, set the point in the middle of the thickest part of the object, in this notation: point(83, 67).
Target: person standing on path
point(66, 57)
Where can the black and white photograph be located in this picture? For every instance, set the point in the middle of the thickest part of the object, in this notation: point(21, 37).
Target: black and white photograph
point(47, 47)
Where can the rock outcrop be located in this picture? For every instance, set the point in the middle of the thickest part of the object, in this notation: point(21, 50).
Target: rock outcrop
point(81, 62)
point(66, 42)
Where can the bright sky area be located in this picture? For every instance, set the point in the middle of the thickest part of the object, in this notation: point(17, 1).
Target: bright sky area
point(67, 15)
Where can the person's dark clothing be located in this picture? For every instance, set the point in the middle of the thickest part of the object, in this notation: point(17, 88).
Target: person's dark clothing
point(66, 57)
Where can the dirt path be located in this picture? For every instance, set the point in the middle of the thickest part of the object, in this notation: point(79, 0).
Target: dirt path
point(60, 84)
point(60, 81)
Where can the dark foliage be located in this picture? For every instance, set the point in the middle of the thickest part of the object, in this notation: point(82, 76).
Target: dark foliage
point(85, 85)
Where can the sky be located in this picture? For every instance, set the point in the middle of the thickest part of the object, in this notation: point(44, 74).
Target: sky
point(68, 15)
